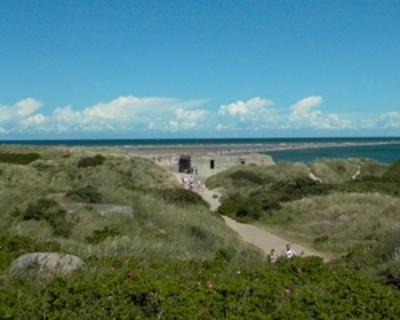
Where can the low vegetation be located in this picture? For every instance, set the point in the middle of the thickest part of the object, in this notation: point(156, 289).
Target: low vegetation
point(95, 161)
point(19, 158)
point(169, 287)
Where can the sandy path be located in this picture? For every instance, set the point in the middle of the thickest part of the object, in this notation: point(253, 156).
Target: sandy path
point(249, 233)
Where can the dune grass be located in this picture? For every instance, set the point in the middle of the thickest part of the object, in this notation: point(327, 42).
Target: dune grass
point(165, 222)
point(238, 178)
point(350, 202)
point(332, 171)
point(337, 221)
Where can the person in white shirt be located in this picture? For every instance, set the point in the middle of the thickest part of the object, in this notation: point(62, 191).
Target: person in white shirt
point(289, 252)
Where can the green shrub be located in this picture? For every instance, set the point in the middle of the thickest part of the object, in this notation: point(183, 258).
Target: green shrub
point(370, 184)
point(19, 158)
point(241, 175)
point(97, 160)
point(88, 194)
point(245, 209)
point(122, 288)
point(379, 260)
point(224, 254)
point(13, 246)
point(199, 232)
point(372, 168)
point(298, 188)
point(269, 199)
point(101, 235)
point(50, 211)
point(180, 197)
point(392, 173)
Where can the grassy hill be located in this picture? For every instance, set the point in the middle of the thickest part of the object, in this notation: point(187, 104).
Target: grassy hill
point(167, 219)
point(175, 259)
point(332, 205)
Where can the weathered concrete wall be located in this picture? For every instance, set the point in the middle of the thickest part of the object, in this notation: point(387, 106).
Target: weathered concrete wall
point(214, 163)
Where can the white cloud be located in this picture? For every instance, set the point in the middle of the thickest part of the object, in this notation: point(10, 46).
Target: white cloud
point(173, 126)
point(123, 113)
point(195, 115)
point(221, 126)
point(159, 114)
point(35, 120)
point(27, 107)
point(304, 114)
point(2, 130)
point(184, 120)
point(19, 110)
point(252, 109)
point(367, 123)
point(333, 121)
point(389, 120)
point(302, 110)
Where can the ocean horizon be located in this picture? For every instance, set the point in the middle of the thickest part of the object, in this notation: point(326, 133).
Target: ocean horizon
point(382, 149)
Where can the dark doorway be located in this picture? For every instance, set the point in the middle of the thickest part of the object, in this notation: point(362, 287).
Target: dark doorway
point(242, 161)
point(185, 163)
point(212, 164)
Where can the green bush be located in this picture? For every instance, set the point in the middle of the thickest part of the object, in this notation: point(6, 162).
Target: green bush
point(370, 184)
point(372, 168)
point(88, 194)
point(122, 288)
point(180, 197)
point(13, 246)
point(246, 209)
point(50, 211)
point(101, 235)
point(262, 200)
point(392, 173)
point(19, 158)
point(241, 175)
point(298, 188)
point(97, 160)
point(379, 260)
point(224, 254)
point(199, 232)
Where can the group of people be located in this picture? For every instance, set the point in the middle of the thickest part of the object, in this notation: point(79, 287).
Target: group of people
point(190, 183)
point(287, 253)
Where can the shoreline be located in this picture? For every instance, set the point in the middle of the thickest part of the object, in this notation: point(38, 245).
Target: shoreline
point(235, 149)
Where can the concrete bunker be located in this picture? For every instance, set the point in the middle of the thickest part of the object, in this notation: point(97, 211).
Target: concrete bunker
point(185, 163)
point(209, 164)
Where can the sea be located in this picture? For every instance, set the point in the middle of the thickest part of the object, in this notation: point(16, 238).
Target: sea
point(307, 150)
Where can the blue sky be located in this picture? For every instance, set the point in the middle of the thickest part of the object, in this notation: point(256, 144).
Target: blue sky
point(205, 68)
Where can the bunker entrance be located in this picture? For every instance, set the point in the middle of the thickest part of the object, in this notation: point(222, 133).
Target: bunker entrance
point(212, 164)
point(185, 163)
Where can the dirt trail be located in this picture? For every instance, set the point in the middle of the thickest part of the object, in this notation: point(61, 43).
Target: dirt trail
point(249, 233)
